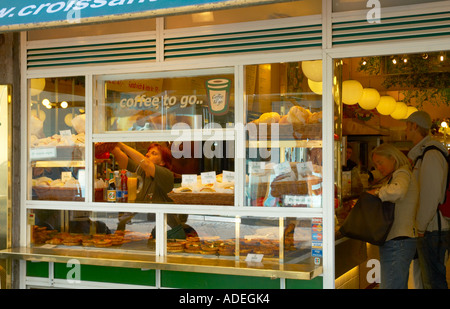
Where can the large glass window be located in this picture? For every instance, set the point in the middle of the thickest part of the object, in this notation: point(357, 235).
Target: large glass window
point(56, 141)
point(92, 230)
point(284, 134)
point(164, 101)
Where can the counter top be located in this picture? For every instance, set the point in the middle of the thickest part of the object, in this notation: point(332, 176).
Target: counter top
point(268, 268)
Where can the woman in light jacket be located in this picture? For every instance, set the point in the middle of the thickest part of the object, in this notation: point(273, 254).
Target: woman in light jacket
point(399, 187)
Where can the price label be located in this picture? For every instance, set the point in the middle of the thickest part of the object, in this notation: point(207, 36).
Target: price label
point(43, 153)
point(254, 258)
point(66, 176)
point(31, 219)
point(304, 169)
point(188, 179)
point(256, 167)
point(282, 168)
point(228, 176)
point(208, 177)
point(67, 135)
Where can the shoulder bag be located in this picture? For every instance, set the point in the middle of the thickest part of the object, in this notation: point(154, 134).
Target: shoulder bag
point(370, 220)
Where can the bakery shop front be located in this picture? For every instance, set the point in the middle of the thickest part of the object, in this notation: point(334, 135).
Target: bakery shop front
point(200, 144)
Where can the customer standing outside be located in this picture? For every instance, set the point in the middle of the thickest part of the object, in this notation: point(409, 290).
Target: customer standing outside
point(399, 187)
point(431, 173)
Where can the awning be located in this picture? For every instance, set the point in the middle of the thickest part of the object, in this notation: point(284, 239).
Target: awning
point(21, 15)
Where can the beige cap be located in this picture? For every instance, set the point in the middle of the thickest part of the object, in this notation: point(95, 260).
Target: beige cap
point(421, 118)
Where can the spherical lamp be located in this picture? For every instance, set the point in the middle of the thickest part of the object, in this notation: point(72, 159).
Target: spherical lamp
point(315, 87)
point(369, 98)
point(313, 70)
point(351, 91)
point(400, 111)
point(387, 105)
point(411, 109)
point(37, 85)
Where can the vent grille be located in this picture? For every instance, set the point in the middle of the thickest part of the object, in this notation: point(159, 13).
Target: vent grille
point(92, 54)
point(392, 28)
point(289, 38)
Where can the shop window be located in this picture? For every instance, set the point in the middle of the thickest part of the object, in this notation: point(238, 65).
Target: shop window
point(245, 14)
point(56, 133)
point(284, 134)
point(197, 100)
point(92, 230)
point(93, 30)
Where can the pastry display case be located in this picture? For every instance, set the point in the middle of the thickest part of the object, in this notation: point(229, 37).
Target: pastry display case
point(56, 141)
point(230, 152)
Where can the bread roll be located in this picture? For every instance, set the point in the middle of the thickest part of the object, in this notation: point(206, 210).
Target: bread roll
point(298, 115)
point(271, 117)
point(315, 118)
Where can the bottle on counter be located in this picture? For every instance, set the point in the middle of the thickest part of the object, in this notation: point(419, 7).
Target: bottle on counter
point(124, 186)
point(111, 192)
point(117, 182)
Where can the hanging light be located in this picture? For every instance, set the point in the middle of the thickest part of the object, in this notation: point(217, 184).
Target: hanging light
point(369, 98)
point(46, 103)
point(315, 87)
point(37, 85)
point(313, 70)
point(351, 91)
point(64, 104)
point(400, 111)
point(386, 105)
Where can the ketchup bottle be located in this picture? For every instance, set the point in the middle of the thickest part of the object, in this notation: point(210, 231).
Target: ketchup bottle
point(124, 186)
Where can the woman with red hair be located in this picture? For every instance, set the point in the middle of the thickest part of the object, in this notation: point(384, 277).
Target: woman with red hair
point(154, 168)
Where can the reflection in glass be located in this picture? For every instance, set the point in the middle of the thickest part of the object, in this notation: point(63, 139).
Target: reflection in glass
point(143, 103)
point(284, 133)
point(90, 230)
point(159, 172)
point(57, 138)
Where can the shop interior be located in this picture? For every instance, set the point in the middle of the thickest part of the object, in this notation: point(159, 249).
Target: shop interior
point(378, 94)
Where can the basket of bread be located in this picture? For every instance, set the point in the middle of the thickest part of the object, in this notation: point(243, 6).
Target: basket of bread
point(46, 188)
point(298, 123)
point(198, 193)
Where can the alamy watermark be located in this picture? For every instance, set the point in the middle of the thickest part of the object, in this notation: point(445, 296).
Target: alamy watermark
point(374, 14)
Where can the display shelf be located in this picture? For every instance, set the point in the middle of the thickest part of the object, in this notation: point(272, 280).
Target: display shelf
point(58, 163)
point(176, 263)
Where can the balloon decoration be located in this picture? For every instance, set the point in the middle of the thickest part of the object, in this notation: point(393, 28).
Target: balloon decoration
point(313, 70)
point(352, 91)
point(315, 87)
point(369, 99)
point(400, 111)
point(387, 105)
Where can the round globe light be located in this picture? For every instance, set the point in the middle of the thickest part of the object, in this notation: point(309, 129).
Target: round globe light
point(68, 120)
point(369, 99)
point(351, 92)
point(37, 85)
point(400, 111)
point(315, 87)
point(313, 70)
point(411, 109)
point(387, 105)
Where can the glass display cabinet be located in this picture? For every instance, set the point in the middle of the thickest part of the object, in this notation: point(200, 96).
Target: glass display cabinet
point(229, 151)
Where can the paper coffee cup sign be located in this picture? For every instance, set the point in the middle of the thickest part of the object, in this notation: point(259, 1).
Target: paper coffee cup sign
point(218, 94)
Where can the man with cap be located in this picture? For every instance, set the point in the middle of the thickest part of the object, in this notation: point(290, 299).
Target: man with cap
point(431, 173)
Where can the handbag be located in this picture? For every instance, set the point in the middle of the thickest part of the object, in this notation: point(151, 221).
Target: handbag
point(370, 220)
